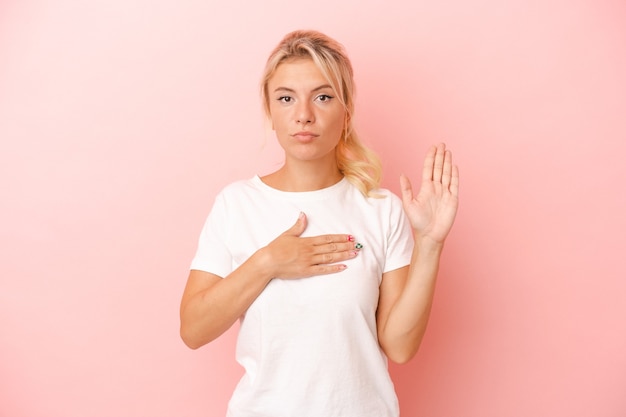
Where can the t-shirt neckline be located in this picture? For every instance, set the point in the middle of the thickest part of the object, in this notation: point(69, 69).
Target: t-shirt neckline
point(303, 195)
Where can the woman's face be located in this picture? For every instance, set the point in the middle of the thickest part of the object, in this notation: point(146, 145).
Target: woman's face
point(306, 115)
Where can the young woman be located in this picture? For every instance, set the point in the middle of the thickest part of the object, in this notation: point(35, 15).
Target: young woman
point(325, 301)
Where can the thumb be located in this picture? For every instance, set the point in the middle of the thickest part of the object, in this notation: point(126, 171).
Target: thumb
point(298, 228)
point(407, 190)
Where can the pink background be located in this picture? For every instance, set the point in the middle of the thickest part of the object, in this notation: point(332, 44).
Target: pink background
point(120, 120)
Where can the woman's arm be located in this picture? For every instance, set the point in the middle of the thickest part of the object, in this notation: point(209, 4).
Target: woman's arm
point(211, 304)
point(404, 305)
point(406, 294)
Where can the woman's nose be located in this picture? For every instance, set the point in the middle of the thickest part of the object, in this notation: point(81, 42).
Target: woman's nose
point(304, 113)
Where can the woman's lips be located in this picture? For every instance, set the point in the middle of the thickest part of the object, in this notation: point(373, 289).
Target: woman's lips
point(304, 136)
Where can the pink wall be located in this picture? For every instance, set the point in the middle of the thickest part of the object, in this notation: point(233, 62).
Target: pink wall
point(119, 120)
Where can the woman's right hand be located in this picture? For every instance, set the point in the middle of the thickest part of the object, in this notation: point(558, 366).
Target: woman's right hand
point(211, 304)
point(290, 256)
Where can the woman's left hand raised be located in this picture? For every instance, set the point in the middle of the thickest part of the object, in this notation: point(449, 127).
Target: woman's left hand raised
point(433, 210)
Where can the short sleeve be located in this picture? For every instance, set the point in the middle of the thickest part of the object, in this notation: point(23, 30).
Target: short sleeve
point(213, 254)
point(399, 237)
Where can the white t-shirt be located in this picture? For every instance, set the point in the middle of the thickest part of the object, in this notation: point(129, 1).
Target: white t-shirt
point(309, 346)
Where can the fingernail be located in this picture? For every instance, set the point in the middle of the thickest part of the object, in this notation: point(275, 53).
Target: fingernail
point(358, 246)
point(353, 253)
point(350, 238)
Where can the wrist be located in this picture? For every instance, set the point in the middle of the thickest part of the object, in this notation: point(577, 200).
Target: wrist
point(262, 264)
point(426, 244)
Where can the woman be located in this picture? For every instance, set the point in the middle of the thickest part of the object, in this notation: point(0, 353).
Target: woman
point(325, 301)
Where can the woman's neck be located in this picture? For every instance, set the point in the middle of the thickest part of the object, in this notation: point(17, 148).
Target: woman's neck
point(303, 177)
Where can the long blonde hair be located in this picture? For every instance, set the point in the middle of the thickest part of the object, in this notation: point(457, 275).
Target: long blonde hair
point(359, 164)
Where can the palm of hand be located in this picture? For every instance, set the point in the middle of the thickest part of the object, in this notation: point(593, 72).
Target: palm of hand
point(432, 212)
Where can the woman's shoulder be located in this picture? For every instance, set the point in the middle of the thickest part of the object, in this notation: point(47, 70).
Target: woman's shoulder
point(383, 196)
point(240, 186)
point(379, 197)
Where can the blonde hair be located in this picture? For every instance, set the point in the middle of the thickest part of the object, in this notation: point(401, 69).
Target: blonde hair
point(359, 164)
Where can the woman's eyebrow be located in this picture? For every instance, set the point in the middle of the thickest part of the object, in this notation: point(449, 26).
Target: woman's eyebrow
point(290, 90)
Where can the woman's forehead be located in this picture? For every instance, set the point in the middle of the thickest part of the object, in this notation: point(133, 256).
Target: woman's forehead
point(301, 72)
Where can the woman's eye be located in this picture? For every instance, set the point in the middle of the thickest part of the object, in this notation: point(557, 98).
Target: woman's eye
point(285, 99)
point(324, 97)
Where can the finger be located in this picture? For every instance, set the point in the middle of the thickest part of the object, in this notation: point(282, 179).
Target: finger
point(336, 247)
point(330, 239)
point(298, 228)
point(406, 189)
point(438, 166)
point(323, 269)
point(454, 181)
point(334, 257)
point(429, 162)
point(447, 169)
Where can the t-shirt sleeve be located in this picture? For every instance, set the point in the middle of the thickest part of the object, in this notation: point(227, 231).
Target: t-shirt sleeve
point(400, 237)
point(213, 254)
